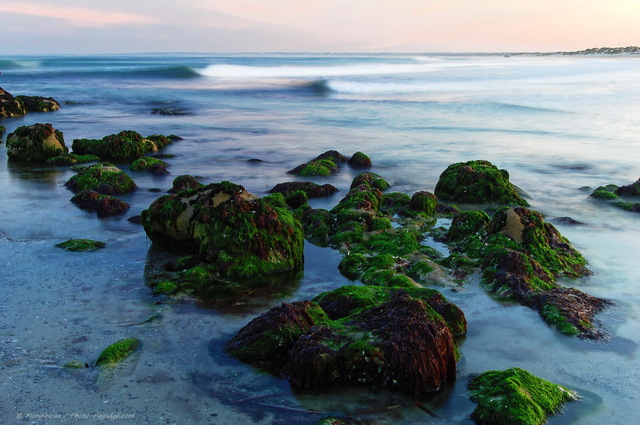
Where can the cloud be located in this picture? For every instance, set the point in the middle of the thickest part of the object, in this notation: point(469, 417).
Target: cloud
point(77, 16)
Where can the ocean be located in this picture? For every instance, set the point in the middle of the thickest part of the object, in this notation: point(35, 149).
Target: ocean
point(561, 125)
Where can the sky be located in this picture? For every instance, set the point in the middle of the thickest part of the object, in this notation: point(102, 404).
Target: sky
point(222, 26)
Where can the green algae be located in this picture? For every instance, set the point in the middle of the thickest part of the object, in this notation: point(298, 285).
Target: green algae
point(71, 159)
point(126, 146)
point(424, 202)
point(319, 226)
point(554, 317)
point(81, 245)
point(516, 397)
point(477, 182)
point(75, 364)
point(118, 351)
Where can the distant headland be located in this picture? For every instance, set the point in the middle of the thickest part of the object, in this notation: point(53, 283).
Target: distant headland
point(634, 50)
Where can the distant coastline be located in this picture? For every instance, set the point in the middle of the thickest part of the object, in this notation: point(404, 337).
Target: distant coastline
point(629, 50)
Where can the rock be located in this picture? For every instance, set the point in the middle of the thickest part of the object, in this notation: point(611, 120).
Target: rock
point(572, 312)
point(271, 335)
point(311, 189)
point(126, 146)
point(117, 352)
point(632, 189)
point(81, 245)
point(39, 103)
point(71, 159)
point(10, 106)
point(229, 228)
point(360, 160)
point(370, 179)
point(424, 202)
point(516, 397)
point(103, 205)
point(104, 178)
point(477, 182)
point(184, 182)
point(75, 364)
point(323, 165)
point(393, 340)
point(35, 143)
point(319, 226)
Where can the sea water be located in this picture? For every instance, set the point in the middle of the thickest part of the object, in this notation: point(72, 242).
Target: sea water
point(558, 124)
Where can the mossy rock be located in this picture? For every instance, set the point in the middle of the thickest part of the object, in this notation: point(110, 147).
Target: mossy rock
point(271, 335)
point(243, 236)
point(104, 178)
point(360, 160)
point(185, 182)
point(371, 179)
point(103, 205)
point(477, 182)
point(10, 107)
point(516, 397)
point(468, 232)
point(3, 130)
point(312, 190)
point(75, 364)
point(147, 163)
point(126, 146)
point(39, 103)
point(117, 352)
point(35, 143)
point(323, 165)
point(72, 159)
point(81, 245)
point(319, 226)
point(424, 202)
point(605, 192)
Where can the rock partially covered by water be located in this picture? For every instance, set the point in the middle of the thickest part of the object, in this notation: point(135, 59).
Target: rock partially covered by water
point(516, 397)
point(184, 182)
point(360, 160)
point(392, 340)
point(126, 146)
point(477, 182)
point(323, 165)
point(117, 352)
point(104, 178)
point(81, 245)
point(229, 228)
point(312, 190)
point(39, 103)
point(10, 106)
point(35, 143)
point(103, 205)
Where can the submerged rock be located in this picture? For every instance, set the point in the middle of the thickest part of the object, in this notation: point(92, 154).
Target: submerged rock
point(71, 159)
point(81, 245)
point(35, 143)
point(516, 397)
point(230, 229)
point(104, 178)
point(391, 339)
point(117, 352)
point(477, 182)
point(360, 160)
point(613, 194)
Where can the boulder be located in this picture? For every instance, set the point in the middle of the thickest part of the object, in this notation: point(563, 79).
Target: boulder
point(103, 205)
point(104, 178)
point(39, 103)
point(35, 143)
point(477, 182)
point(126, 146)
point(516, 397)
point(312, 190)
point(184, 182)
point(229, 228)
point(360, 160)
point(10, 106)
point(323, 165)
point(391, 340)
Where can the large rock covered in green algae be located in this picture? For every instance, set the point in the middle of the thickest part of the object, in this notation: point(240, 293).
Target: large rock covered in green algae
point(104, 178)
point(477, 182)
point(377, 336)
point(228, 228)
point(39, 103)
point(35, 143)
point(521, 257)
point(613, 193)
point(516, 397)
point(126, 146)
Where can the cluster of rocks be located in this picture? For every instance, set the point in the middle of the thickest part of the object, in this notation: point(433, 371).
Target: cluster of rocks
point(618, 195)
